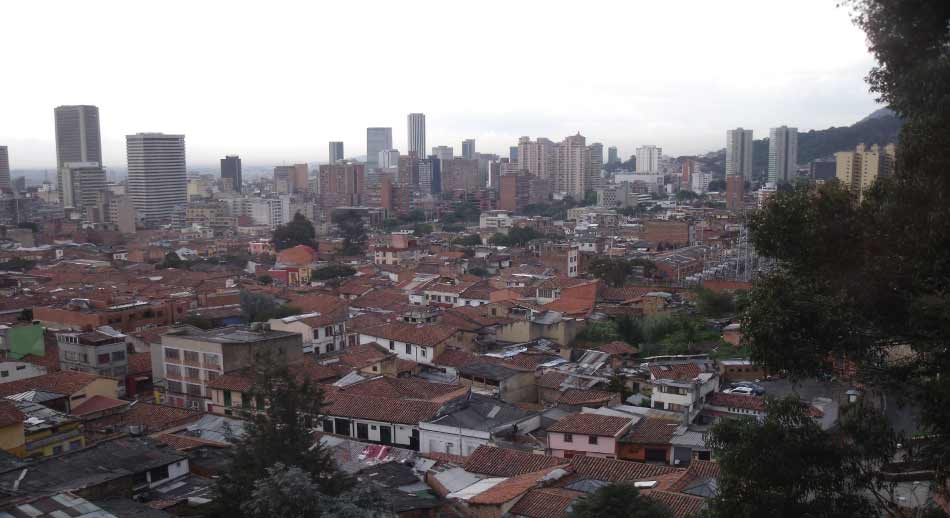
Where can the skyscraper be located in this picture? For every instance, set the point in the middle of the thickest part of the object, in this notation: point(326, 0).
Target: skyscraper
point(157, 177)
point(77, 136)
point(783, 154)
point(573, 164)
point(417, 134)
point(468, 149)
point(4, 169)
point(83, 183)
point(513, 154)
point(231, 170)
point(377, 139)
point(595, 163)
point(336, 152)
point(444, 152)
point(538, 157)
point(739, 153)
point(388, 158)
point(341, 184)
point(648, 159)
point(612, 155)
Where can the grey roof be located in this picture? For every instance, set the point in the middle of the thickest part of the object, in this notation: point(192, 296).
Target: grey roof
point(59, 505)
point(229, 334)
point(484, 414)
point(217, 428)
point(128, 508)
point(587, 485)
point(100, 463)
point(36, 396)
point(706, 488)
point(489, 371)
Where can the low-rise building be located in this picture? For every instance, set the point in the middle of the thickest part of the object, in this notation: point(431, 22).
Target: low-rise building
point(322, 332)
point(481, 420)
point(587, 434)
point(94, 352)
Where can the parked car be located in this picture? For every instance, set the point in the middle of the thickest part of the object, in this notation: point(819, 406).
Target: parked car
point(742, 391)
point(756, 388)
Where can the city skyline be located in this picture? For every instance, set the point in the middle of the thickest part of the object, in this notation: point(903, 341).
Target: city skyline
point(819, 85)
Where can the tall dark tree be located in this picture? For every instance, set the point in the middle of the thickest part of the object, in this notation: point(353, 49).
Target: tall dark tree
point(280, 414)
point(618, 501)
point(612, 270)
point(869, 281)
point(298, 232)
point(351, 227)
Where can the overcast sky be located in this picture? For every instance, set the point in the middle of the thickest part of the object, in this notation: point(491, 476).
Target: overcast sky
point(274, 81)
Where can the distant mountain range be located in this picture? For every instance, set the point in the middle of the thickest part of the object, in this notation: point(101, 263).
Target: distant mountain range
point(880, 127)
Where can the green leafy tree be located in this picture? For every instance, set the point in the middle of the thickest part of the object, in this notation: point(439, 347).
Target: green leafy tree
point(422, 229)
point(618, 501)
point(257, 307)
point(390, 224)
point(26, 315)
point(278, 431)
point(265, 279)
point(172, 261)
point(197, 321)
point(298, 232)
point(712, 304)
point(612, 270)
point(468, 240)
point(332, 271)
point(629, 329)
point(19, 264)
point(351, 226)
point(479, 271)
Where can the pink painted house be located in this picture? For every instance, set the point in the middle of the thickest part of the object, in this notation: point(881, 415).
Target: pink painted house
point(592, 435)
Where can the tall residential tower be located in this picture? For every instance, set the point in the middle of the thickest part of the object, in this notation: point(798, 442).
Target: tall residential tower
point(783, 154)
point(157, 177)
point(739, 153)
point(417, 134)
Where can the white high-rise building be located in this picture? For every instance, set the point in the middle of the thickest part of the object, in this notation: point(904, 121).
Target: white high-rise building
point(700, 182)
point(377, 140)
point(82, 184)
point(783, 154)
point(648, 159)
point(444, 152)
point(539, 157)
point(417, 134)
point(157, 178)
point(739, 153)
point(388, 158)
point(573, 164)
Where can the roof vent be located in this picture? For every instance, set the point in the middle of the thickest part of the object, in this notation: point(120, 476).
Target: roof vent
point(645, 484)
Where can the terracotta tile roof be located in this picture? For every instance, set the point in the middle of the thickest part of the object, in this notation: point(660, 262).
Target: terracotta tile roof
point(315, 302)
point(237, 381)
point(680, 505)
point(325, 318)
point(448, 458)
point(454, 358)
point(509, 489)
point(678, 371)
point(363, 355)
point(154, 417)
point(652, 430)
point(552, 379)
point(379, 299)
point(503, 462)
point(418, 334)
point(97, 404)
point(591, 424)
point(624, 294)
point(528, 360)
point(406, 366)
point(551, 502)
point(406, 388)
point(388, 410)
point(585, 397)
point(470, 319)
point(704, 468)
point(364, 321)
point(10, 414)
point(736, 401)
point(571, 306)
point(140, 363)
point(61, 382)
point(186, 442)
point(611, 470)
point(298, 255)
point(617, 347)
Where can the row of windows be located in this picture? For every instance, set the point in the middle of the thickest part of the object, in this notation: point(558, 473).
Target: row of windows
point(184, 388)
point(591, 439)
point(210, 360)
point(6, 374)
point(392, 347)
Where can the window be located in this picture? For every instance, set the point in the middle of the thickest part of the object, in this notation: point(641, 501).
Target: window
point(191, 356)
point(211, 376)
point(592, 439)
point(119, 372)
point(211, 361)
point(172, 354)
point(174, 387)
point(227, 398)
point(102, 358)
point(331, 347)
point(392, 345)
point(192, 373)
point(568, 437)
point(20, 367)
point(57, 450)
point(328, 331)
point(4, 374)
point(118, 356)
point(75, 445)
point(193, 390)
point(316, 333)
point(159, 473)
point(408, 348)
point(422, 351)
point(172, 370)
point(375, 368)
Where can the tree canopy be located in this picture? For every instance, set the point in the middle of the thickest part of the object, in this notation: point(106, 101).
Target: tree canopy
point(299, 231)
point(351, 227)
point(332, 271)
point(618, 501)
point(515, 237)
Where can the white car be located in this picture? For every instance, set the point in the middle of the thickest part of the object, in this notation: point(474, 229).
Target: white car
point(742, 391)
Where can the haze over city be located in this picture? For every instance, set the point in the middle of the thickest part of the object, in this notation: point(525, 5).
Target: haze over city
point(274, 85)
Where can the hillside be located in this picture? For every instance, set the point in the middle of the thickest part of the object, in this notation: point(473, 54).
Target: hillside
point(880, 127)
